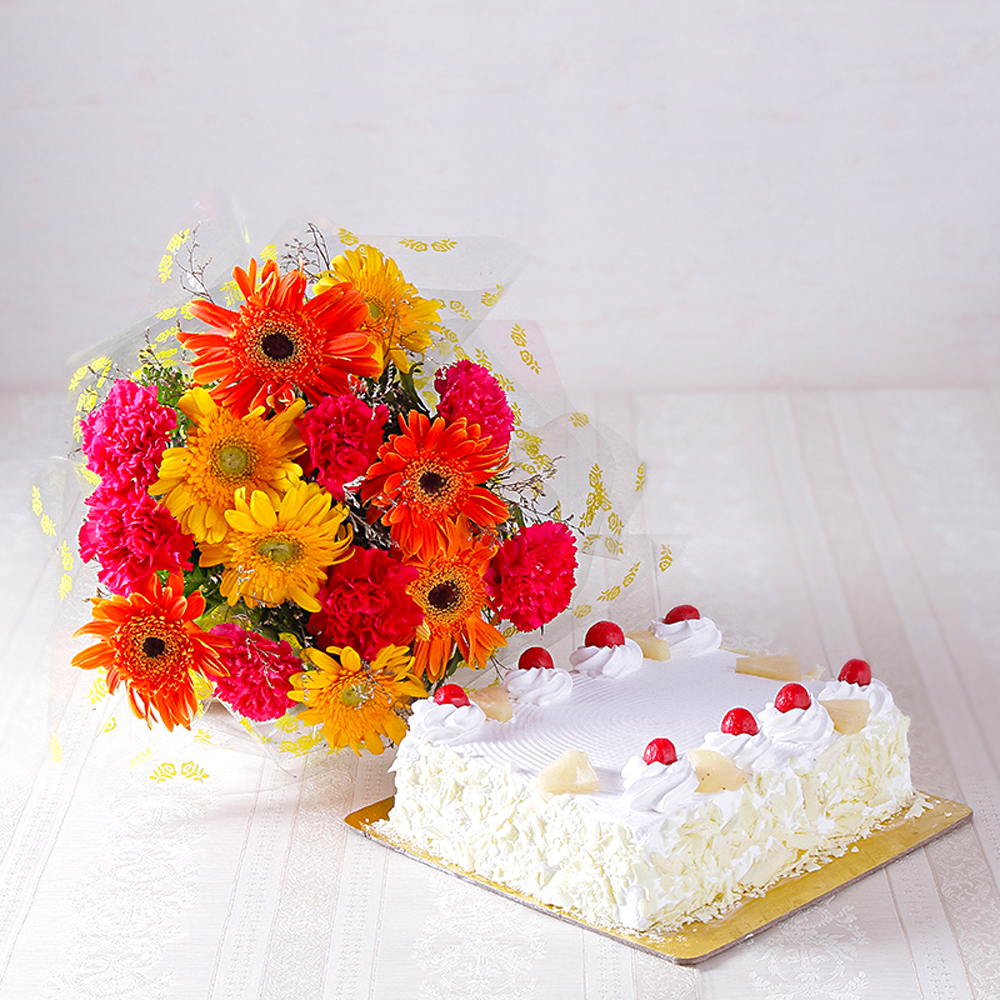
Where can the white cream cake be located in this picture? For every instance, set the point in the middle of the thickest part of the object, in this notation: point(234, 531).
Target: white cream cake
point(654, 847)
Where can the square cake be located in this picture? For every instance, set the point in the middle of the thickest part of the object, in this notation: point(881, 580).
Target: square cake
point(640, 794)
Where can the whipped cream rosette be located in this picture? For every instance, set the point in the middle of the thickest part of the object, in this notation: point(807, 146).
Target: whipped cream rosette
point(751, 753)
point(692, 637)
point(799, 732)
point(539, 685)
point(434, 723)
point(878, 696)
point(609, 661)
point(657, 787)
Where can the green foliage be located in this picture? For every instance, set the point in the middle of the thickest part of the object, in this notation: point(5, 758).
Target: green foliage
point(170, 383)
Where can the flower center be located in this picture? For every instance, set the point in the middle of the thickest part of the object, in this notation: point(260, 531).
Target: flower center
point(354, 697)
point(153, 653)
point(444, 596)
point(448, 594)
point(233, 461)
point(277, 346)
point(375, 308)
point(277, 341)
point(279, 550)
point(432, 483)
point(434, 488)
point(153, 646)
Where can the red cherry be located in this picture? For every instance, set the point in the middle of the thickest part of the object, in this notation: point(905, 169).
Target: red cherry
point(739, 720)
point(604, 634)
point(682, 613)
point(535, 656)
point(451, 694)
point(856, 672)
point(660, 750)
point(792, 696)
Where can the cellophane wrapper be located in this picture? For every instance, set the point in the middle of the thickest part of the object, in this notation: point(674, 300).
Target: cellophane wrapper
point(593, 478)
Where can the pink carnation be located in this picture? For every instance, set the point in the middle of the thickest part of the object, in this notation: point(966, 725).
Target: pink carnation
point(124, 438)
point(132, 537)
point(259, 670)
point(531, 577)
point(365, 604)
point(343, 435)
point(469, 390)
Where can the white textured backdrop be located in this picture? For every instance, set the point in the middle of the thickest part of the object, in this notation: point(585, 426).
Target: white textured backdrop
point(717, 194)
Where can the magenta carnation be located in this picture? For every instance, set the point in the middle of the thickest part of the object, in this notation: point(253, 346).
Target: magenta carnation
point(259, 670)
point(366, 605)
point(124, 438)
point(469, 390)
point(343, 435)
point(132, 537)
point(531, 577)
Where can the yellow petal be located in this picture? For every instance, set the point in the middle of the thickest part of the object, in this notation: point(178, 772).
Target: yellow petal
point(320, 658)
point(315, 506)
point(292, 501)
point(212, 555)
point(262, 509)
point(305, 601)
point(218, 531)
point(241, 522)
point(197, 404)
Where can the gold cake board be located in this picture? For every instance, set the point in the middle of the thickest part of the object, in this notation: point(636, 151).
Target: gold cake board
point(698, 941)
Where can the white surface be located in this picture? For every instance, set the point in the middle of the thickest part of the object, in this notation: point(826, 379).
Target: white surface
point(766, 195)
point(716, 196)
point(827, 524)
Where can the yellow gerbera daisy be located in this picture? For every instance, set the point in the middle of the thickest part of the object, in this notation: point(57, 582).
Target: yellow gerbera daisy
point(357, 703)
point(225, 453)
point(279, 552)
point(399, 319)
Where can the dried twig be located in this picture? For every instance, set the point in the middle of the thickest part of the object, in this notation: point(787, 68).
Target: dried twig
point(194, 270)
point(310, 256)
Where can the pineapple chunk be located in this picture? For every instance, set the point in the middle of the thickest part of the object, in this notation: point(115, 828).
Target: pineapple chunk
point(494, 701)
point(572, 772)
point(850, 715)
point(716, 772)
point(776, 668)
point(653, 647)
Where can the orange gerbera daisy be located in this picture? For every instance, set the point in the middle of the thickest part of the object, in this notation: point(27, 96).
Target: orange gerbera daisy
point(399, 318)
point(278, 343)
point(223, 453)
point(429, 475)
point(450, 592)
point(149, 643)
point(356, 702)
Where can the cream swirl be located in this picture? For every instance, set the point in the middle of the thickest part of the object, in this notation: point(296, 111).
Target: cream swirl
point(611, 661)
point(750, 753)
point(806, 732)
point(879, 697)
point(692, 637)
point(539, 685)
point(657, 787)
point(434, 723)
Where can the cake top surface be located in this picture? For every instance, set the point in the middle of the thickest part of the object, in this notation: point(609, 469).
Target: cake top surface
point(612, 718)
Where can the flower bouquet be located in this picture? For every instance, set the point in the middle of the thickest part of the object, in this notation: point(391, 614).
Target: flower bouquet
point(312, 505)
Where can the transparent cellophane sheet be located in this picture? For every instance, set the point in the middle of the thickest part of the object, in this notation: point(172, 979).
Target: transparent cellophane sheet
point(562, 463)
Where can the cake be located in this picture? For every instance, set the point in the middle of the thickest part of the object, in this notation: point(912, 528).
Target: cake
point(640, 794)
